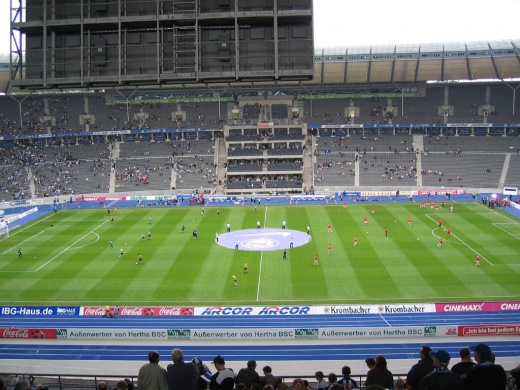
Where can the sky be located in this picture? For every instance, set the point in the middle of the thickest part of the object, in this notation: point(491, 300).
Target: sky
point(347, 23)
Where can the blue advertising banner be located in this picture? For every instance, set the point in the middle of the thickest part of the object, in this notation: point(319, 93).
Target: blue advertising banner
point(39, 311)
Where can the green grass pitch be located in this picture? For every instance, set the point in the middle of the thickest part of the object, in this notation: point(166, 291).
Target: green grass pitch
point(67, 259)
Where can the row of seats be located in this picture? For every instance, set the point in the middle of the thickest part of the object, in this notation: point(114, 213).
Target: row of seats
point(108, 114)
point(476, 162)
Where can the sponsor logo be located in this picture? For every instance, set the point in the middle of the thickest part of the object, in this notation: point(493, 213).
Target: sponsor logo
point(402, 309)
point(451, 332)
point(131, 311)
point(169, 311)
point(61, 333)
point(27, 311)
point(430, 331)
point(94, 311)
point(16, 333)
point(347, 310)
point(227, 311)
point(23, 334)
point(260, 243)
point(306, 333)
point(463, 307)
point(66, 311)
point(179, 334)
point(510, 306)
point(284, 310)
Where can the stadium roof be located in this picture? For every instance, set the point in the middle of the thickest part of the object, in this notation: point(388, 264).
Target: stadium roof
point(406, 63)
point(480, 60)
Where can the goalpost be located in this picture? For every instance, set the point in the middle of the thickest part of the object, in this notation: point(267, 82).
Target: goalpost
point(4, 229)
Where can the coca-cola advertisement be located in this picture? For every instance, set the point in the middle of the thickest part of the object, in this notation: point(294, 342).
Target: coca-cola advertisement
point(134, 311)
point(25, 333)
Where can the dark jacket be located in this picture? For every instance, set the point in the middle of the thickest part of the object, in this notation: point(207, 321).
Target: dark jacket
point(247, 376)
point(182, 376)
point(269, 379)
point(441, 380)
point(419, 371)
point(380, 377)
point(461, 368)
point(486, 376)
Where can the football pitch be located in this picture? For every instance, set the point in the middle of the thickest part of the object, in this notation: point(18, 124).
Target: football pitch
point(67, 259)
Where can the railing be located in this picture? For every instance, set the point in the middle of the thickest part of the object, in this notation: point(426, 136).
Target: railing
point(67, 382)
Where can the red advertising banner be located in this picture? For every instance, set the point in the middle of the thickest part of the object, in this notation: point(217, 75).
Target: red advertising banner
point(489, 330)
point(128, 311)
point(462, 307)
point(99, 198)
point(14, 333)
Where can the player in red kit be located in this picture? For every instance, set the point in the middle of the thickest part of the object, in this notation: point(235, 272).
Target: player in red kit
point(373, 210)
point(439, 245)
point(365, 221)
point(315, 259)
point(328, 249)
point(410, 221)
point(355, 241)
point(477, 260)
point(448, 231)
point(329, 228)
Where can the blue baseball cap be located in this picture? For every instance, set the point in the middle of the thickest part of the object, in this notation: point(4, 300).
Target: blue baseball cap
point(441, 355)
point(481, 349)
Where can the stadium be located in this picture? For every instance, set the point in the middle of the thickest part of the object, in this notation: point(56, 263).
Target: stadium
point(204, 180)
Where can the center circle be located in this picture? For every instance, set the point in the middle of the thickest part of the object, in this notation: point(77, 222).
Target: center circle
point(263, 239)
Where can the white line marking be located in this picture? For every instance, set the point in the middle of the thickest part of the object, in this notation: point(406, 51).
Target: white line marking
point(70, 246)
point(17, 246)
point(83, 246)
point(261, 260)
point(16, 231)
point(383, 318)
point(504, 230)
point(463, 243)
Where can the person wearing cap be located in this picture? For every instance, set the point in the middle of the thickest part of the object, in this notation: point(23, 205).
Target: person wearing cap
point(224, 378)
point(485, 375)
point(152, 376)
point(421, 369)
point(181, 375)
point(248, 375)
point(268, 378)
point(204, 374)
point(441, 378)
point(465, 363)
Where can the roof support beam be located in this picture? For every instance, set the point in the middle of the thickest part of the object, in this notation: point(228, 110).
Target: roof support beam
point(322, 66)
point(393, 65)
point(517, 51)
point(346, 66)
point(417, 65)
point(369, 65)
point(494, 63)
point(442, 64)
point(470, 76)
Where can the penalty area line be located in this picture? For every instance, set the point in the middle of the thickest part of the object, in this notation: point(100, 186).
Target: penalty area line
point(71, 246)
